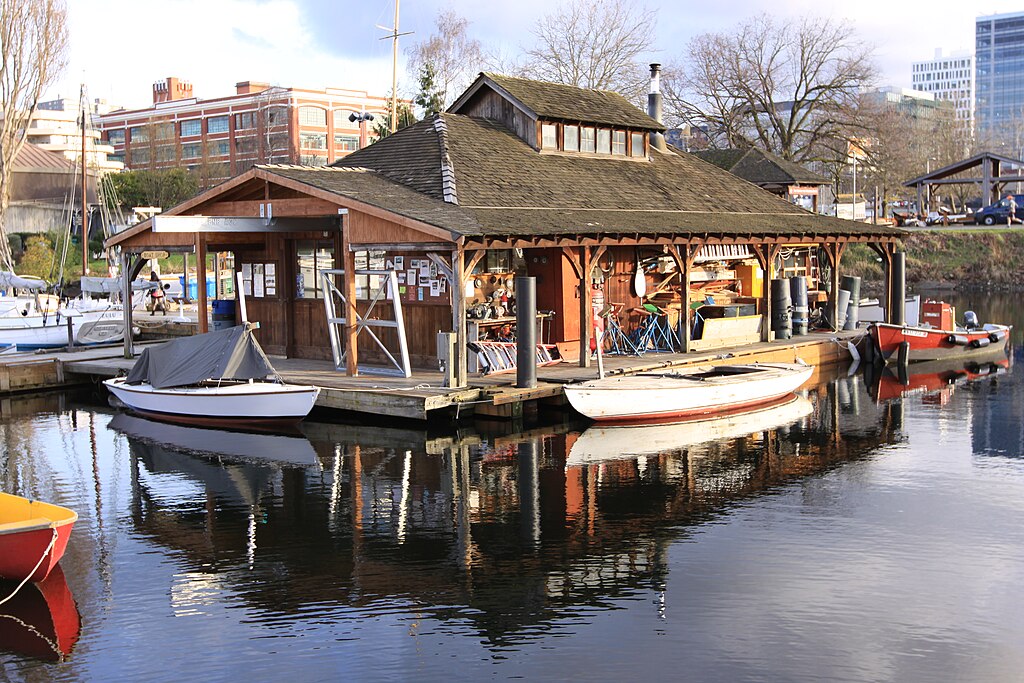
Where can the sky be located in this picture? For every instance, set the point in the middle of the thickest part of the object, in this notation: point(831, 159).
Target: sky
point(119, 48)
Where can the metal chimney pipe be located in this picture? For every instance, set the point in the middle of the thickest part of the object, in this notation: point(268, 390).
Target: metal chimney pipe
point(654, 107)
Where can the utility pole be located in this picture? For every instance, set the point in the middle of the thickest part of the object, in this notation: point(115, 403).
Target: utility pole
point(394, 68)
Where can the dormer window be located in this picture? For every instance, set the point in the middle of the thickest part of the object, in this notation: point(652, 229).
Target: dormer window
point(549, 136)
point(636, 144)
point(571, 141)
point(587, 140)
point(619, 142)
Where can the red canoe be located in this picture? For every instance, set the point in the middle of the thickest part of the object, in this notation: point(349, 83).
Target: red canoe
point(33, 536)
point(927, 343)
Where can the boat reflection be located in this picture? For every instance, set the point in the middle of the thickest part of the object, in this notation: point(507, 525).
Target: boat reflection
point(506, 532)
point(41, 621)
point(604, 443)
point(266, 447)
point(935, 381)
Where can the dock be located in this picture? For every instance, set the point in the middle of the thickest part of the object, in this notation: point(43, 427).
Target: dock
point(422, 396)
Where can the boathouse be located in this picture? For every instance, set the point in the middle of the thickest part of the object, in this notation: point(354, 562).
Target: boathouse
point(424, 231)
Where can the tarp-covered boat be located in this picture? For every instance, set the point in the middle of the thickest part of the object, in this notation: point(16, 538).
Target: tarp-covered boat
point(219, 378)
point(663, 396)
point(33, 537)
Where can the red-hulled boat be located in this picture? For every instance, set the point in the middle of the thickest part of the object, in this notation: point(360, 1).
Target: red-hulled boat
point(940, 338)
point(33, 537)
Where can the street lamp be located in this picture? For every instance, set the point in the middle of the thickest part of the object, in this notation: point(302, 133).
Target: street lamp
point(362, 118)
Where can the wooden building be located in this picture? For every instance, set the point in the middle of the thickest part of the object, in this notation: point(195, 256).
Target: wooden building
point(574, 187)
point(782, 177)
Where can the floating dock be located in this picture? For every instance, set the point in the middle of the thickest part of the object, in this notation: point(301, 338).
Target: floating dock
point(422, 396)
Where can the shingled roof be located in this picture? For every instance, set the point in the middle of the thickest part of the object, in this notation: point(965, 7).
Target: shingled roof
point(498, 186)
point(761, 167)
point(546, 100)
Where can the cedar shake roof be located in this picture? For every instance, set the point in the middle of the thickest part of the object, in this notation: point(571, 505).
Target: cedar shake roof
point(506, 188)
point(560, 101)
point(761, 167)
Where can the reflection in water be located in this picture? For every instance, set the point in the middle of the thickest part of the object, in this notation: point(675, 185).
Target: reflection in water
point(799, 531)
point(41, 620)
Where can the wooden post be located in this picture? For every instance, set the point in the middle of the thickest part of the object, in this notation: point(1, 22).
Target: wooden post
point(684, 263)
point(765, 254)
point(836, 253)
point(126, 302)
point(348, 288)
point(461, 374)
point(201, 308)
point(586, 308)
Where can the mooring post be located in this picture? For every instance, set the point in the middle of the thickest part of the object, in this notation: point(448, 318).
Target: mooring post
point(898, 302)
point(526, 332)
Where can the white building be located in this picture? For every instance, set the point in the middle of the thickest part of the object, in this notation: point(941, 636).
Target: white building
point(950, 78)
point(56, 128)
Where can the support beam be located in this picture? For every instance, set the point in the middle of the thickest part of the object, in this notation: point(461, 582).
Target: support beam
point(126, 301)
point(459, 327)
point(586, 303)
point(351, 314)
point(201, 283)
point(768, 252)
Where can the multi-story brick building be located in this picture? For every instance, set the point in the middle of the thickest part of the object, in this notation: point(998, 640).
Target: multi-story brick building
point(222, 137)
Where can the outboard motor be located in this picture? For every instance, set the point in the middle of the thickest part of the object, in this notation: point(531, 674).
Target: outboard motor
point(971, 320)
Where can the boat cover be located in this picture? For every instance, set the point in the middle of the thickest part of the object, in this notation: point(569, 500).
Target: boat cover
point(232, 354)
point(9, 279)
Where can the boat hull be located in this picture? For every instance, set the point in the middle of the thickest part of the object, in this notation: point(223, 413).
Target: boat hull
point(927, 344)
point(41, 620)
point(51, 331)
point(646, 398)
point(27, 528)
point(237, 405)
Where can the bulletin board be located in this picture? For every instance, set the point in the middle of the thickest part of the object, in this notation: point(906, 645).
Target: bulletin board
point(260, 280)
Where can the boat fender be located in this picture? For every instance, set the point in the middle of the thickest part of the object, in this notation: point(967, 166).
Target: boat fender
point(978, 343)
point(903, 354)
point(958, 339)
point(997, 336)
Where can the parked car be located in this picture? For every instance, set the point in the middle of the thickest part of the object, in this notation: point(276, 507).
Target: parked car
point(999, 212)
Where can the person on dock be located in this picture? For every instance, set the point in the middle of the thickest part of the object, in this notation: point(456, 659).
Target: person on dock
point(1011, 215)
point(157, 300)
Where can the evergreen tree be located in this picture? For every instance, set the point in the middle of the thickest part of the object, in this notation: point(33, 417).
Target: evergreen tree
point(430, 97)
point(382, 124)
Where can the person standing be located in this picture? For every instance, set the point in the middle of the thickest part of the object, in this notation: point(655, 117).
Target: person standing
point(1011, 215)
point(157, 294)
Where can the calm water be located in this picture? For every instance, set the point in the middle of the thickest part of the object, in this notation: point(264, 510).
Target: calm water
point(856, 534)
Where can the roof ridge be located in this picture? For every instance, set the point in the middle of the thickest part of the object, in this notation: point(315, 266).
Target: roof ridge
point(448, 188)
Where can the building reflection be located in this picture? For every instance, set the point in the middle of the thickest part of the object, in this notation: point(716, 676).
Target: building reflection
point(507, 532)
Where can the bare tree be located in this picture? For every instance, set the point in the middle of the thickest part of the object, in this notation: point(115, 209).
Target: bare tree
point(451, 53)
point(594, 44)
point(784, 87)
point(33, 49)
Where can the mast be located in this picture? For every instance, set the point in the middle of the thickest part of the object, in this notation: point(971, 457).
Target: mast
point(394, 68)
point(85, 202)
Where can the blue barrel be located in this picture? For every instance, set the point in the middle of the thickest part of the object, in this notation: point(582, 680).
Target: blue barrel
point(223, 314)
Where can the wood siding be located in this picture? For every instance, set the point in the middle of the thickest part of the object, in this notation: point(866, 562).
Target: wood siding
point(488, 104)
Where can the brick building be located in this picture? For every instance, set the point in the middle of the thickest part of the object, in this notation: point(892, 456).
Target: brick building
point(221, 137)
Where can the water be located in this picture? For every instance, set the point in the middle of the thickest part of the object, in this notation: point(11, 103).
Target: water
point(846, 539)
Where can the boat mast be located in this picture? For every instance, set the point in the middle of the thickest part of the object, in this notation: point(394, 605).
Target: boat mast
point(85, 203)
point(393, 126)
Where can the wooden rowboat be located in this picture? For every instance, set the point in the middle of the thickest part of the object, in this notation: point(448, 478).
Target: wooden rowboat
point(33, 536)
point(648, 397)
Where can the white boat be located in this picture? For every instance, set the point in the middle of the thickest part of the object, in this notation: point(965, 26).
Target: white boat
point(220, 378)
point(664, 396)
point(50, 330)
point(600, 443)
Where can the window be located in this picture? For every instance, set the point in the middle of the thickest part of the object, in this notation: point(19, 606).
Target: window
point(346, 143)
point(116, 137)
point(619, 142)
point(367, 286)
point(119, 158)
point(312, 116)
point(220, 148)
point(140, 156)
point(637, 144)
point(246, 120)
point(604, 141)
point(586, 139)
point(571, 138)
point(549, 136)
point(311, 259)
point(191, 127)
point(313, 141)
point(217, 124)
point(139, 134)
point(341, 119)
point(191, 151)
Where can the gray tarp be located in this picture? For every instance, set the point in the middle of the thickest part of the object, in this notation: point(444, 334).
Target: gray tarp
point(225, 354)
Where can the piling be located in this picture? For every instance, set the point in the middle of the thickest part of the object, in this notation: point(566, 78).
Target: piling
point(526, 332)
point(851, 283)
point(898, 292)
point(782, 324)
point(798, 292)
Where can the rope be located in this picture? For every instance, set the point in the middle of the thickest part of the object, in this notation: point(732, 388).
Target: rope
point(32, 629)
point(46, 552)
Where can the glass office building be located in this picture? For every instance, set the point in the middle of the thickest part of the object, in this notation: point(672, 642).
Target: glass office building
point(999, 75)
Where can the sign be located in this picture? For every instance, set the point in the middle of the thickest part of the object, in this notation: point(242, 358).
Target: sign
point(151, 255)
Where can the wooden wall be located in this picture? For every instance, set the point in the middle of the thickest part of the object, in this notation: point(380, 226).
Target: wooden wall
point(487, 104)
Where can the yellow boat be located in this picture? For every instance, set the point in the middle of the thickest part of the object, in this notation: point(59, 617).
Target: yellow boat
point(33, 537)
